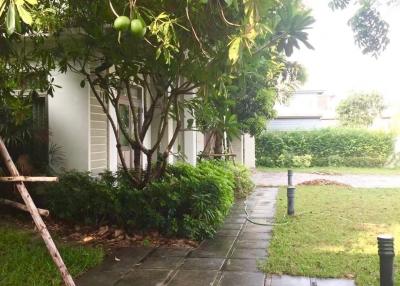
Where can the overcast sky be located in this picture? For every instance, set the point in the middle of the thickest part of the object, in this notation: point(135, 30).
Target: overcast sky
point(337, 64)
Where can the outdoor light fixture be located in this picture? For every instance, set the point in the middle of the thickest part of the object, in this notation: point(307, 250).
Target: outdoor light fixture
point(290, 199)
point(386, 257)
point(290, 177)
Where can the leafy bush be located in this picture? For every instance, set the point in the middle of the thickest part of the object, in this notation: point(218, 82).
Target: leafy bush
point(188, 201)
point(243, 183)
point(302, 161)
point(327, 147)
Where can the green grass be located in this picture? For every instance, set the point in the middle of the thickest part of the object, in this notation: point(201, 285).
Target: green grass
point(338, 170)
point(24, 259)
point(334, 234)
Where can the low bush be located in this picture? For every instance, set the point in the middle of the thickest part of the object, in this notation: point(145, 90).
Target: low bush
point(188, 201)
point(325, 147)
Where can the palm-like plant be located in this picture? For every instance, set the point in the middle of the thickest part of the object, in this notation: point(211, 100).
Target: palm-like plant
point(291, 27)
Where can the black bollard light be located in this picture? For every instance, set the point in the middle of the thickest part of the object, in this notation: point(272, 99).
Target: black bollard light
point(290, 199)
point(290, 177)
point(386, 257)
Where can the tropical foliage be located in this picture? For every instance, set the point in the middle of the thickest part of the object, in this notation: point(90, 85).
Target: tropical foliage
point(360, 109)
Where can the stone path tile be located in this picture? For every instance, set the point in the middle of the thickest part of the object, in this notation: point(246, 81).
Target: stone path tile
point(230, 259)
point(193, 278)
point(288, 281)
point(332, 282)
point(243, 265)
point(144, 277)
point(241, 279)
point(161, 262)
point(203, 264)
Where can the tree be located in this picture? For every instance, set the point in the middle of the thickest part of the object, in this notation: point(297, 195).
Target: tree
point(177, 52)
point(370, 29)
point(360, 109)
point(243, 102)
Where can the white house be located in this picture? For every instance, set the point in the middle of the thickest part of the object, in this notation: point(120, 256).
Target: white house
point(79, 126)
point(305, 110)
point(314, 109)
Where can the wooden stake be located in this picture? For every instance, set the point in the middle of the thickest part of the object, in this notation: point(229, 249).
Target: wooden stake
point(23, 207)
point(28, 179)
point(12, 169)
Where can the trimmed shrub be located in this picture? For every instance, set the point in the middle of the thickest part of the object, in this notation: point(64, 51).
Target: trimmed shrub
point(327, 147)
point(187, 202)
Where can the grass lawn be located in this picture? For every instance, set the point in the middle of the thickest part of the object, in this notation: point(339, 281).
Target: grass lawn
point(338, 170)
point(24, 259)
point(335, 233)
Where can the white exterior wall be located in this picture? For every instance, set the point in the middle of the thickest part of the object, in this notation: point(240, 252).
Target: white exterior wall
point(249, 151)
point(69, 120)
point(189, 138)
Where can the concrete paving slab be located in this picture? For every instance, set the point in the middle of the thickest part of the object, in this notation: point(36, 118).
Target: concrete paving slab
point(249, 253)
point(242, 279)
point(171, 251)
point(333, 282)
point(228, 232)
point(144, 277)
point(161, 262)
point(202, 264)
point(247, 235)
point(290, 281)
point(241, 265)
point(193, 278)
point(261, 243)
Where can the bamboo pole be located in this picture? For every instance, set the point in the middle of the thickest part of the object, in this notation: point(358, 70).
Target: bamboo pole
point(12, 169)
point(28, 179)
point(23, 207)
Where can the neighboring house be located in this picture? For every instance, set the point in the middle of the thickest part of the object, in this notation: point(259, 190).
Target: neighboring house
point(305, 110)
point(79, 126)
point(314, 109)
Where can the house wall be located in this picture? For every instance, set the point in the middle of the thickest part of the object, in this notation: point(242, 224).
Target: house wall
point(98, 137)
point(244, 148)
point(294, 124)
point(69, 120)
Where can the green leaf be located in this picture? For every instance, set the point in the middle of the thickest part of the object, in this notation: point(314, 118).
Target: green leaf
point(24, 14)
point(228, 2)
point(32, 2)
point(2, 6)
point(10, 19)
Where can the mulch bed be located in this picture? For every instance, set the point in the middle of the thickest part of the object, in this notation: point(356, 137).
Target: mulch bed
point(109, 237)
point(323, 182)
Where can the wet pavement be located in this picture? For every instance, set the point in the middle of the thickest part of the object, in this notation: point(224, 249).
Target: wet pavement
point(358, 181)
point(229, 259)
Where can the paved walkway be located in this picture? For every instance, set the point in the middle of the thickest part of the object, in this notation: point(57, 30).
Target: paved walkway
point(357, 181)
point(230, 259)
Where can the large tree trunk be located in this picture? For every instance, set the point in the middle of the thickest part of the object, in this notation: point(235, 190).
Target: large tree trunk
point(218, 144)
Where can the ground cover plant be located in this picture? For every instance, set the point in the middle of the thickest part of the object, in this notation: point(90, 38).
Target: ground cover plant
point(334, 233)
point(188, 201)
point(24, 259)
point(346, 147)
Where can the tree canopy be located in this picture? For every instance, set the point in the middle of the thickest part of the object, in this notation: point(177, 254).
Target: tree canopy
point(235, 63)
point(360, 109)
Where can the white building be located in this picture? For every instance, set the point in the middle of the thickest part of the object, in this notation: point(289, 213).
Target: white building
point(78, 125)
point(314, 109)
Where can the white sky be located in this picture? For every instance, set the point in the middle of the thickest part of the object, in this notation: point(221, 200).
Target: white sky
point(338, 65)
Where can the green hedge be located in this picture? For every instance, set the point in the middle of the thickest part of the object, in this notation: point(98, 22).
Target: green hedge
point(188, 202)
point(327, 147)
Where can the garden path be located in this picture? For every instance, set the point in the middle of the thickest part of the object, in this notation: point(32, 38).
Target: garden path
point(358, 181)
point(229, 259)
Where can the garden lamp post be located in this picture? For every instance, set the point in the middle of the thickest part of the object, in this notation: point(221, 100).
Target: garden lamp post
point(386, 257)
